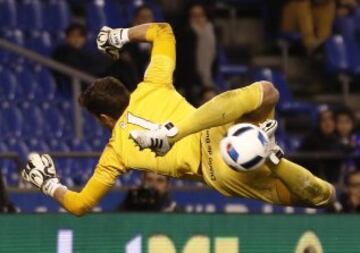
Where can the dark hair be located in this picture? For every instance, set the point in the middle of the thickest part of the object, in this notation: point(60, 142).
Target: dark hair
point(105, 96)
point(345, 111)
point(76, 27)
point(349, 175)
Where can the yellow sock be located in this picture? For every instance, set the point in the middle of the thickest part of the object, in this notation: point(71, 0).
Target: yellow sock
point(222, 109)
point(309, 188)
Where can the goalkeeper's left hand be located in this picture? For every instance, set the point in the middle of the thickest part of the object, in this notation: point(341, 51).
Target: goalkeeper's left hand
point(111, 40)
point(40, 171)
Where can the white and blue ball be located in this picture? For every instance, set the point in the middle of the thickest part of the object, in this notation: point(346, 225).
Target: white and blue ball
point(245, 147)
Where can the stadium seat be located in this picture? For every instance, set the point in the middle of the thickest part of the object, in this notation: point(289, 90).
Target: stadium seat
point(336, 55)
point(346, 26)
point(46, 90)
point(33, 121)
point(57, 16)
point(54, 122)
point(8, 14)
point(114, 16)
point(36, 145)
point(26, 84)
point(30, 16)
point(8, 83)
point(343, 55)
point(40, 42)
point(95, 15)
point(12, 120)
point(18, 145)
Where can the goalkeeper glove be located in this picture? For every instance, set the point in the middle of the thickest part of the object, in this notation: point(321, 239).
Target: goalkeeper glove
point(40, 171)
point(111, 40)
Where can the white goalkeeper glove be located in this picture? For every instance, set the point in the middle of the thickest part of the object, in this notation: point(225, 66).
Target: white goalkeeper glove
point(40, 171)
point(111, 40)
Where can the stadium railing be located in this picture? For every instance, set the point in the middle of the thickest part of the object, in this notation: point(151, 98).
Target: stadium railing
point(76, 76)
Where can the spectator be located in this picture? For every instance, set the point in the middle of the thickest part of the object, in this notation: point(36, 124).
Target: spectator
point(152, 195)
point(346, 7)
point(196, 52)
point(5, 205)
point(323, 139)
point(139, 53)
point(312, 18)
point(75, 54)
point(349, 200)
point(345, 124)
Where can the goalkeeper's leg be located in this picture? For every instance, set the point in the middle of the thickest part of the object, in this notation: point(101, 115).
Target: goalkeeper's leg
point(309, 189)
point(251, 103)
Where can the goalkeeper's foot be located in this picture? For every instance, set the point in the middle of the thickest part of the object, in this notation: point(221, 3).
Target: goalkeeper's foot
point(156, 140)
point(275, 151)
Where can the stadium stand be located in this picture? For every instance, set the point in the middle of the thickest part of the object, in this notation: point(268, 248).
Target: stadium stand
point(32, 106)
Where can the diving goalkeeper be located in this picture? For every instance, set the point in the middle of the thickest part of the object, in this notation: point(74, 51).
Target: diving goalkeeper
point(184, 139)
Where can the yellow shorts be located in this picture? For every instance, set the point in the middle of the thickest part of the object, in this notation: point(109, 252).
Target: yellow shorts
point(259, 184)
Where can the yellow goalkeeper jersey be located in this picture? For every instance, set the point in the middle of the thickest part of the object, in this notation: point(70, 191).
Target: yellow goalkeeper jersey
point(154, 100)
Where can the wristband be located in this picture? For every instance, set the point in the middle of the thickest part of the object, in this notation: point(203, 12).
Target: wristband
point(50, 186)
point(118, 37)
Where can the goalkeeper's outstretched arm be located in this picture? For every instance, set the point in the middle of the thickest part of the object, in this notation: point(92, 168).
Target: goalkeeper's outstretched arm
point(163, 54)
point(40, 171)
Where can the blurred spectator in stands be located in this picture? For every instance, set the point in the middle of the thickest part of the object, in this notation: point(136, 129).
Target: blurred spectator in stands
point(345, 129)
point(75, 54)
point(152, 196)
point(196, 52)
point(5, 205)
point(346, 7)
point(139, 53)
point(349, 200)
point(323, 139)
point(312, 18)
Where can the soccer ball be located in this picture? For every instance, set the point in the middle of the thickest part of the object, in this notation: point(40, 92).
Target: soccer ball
point(245, 147)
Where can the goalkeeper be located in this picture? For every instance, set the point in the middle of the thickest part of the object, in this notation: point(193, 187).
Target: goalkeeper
point(186, 142)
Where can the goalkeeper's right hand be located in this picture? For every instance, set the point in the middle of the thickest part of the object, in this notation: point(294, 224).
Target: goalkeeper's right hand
point(40, 171)
point(111, 40)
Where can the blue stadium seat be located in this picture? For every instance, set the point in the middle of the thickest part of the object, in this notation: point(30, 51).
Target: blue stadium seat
point(54, 122)
point(342, 55)
point(346, 26)
point(15, 36)
point(114, 16)
point(30, 16)
point(8, 14)
point(92, 129)
point(336, 54)
point(18, 145)
point(46, 90)
point(95, 15)
point(40, 42)
point(36, 145)
point(8, 84)
point(26, 83)
point(33, 121)
point(12, 120)
point(57, 16)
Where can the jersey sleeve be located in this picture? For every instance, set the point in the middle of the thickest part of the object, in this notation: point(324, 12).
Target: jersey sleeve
point(105, 174)
point(162, 63)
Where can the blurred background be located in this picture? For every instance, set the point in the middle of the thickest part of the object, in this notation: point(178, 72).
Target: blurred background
point(309, 49)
